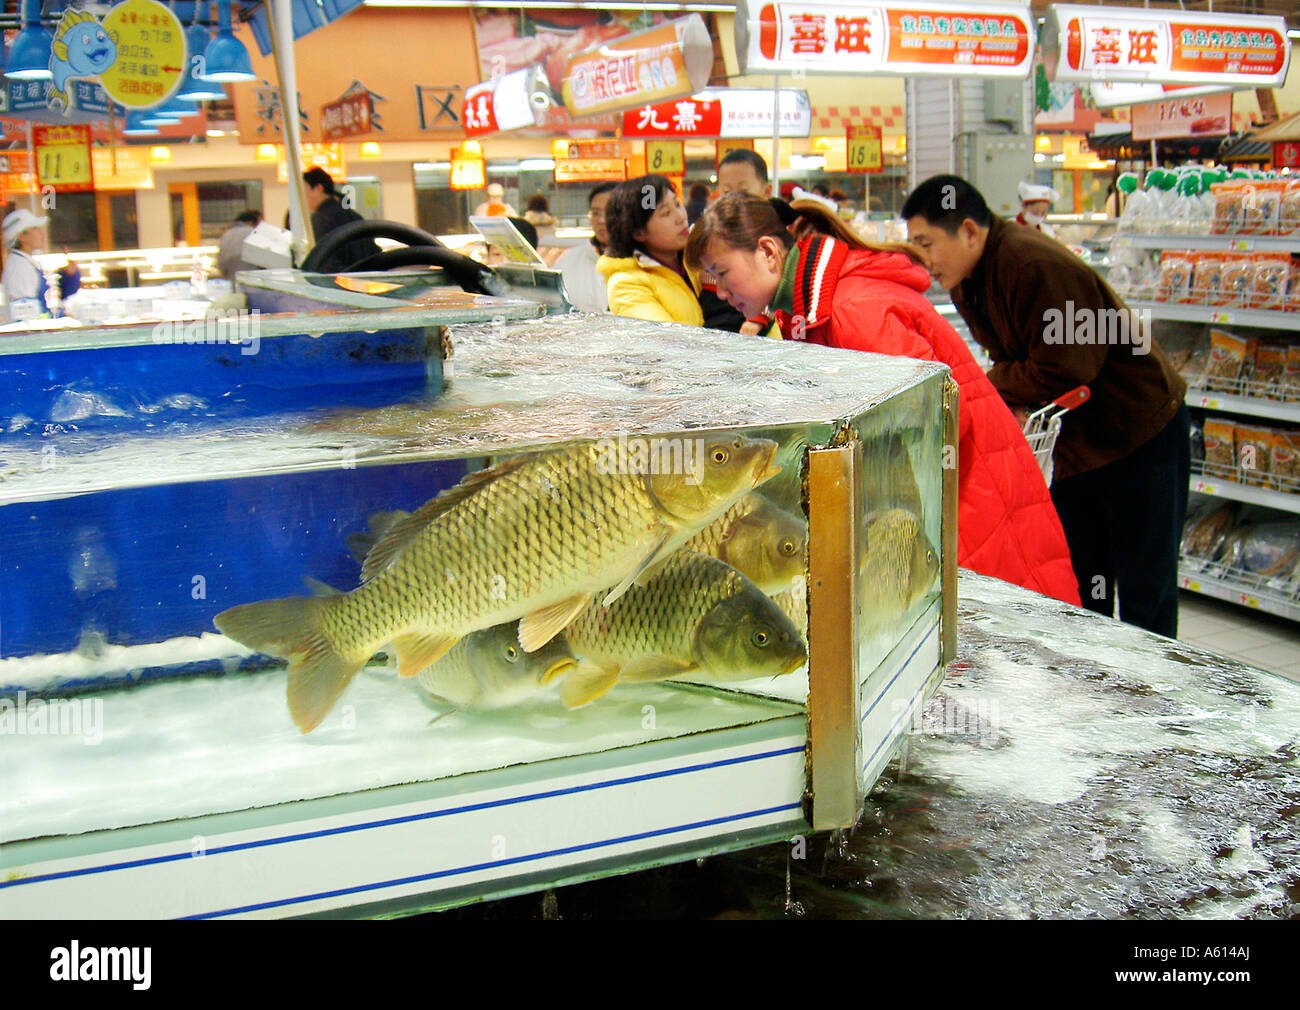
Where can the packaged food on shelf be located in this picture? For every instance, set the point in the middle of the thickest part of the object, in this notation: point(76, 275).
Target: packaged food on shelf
point(1293, 286)
point(1205, 531)
point(1254, 453)
point(1288, 211)
point(1175, 283)
point(1267, 549)
point(1259, 207)
point(1220, 448)
point(1270, 367)
point(1228, 207)
point(1272, 270)
point(1231, 358)
point(1237, 280)
point(1207, 278)
point(1195, 367)
point(1289, 387)
point(1284, 463)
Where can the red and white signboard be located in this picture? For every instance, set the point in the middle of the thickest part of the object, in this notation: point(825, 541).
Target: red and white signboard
point(1286, 154)
point(509, 102)
point(348, 117)
point(1107, 95)
point(726, 112)
point(1126, 44)
point(952, 40)
point(1203, 116)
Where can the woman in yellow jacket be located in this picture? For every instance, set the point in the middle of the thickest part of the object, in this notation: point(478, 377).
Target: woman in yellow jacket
point(645, 276)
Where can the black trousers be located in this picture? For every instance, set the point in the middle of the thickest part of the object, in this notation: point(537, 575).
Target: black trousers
point(1124, 522)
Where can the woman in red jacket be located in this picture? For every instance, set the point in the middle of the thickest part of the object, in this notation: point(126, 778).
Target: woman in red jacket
point(840, 292)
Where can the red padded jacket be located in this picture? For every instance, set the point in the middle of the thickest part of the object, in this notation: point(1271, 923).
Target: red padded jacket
point(863, 300)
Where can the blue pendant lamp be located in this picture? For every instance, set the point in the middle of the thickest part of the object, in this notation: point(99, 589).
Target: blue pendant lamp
point(226, 59)
point(193, 88)
point(135, 127)
point(29, 56)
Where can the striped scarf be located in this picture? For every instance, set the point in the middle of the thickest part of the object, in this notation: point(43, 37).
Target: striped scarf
point(821, 258)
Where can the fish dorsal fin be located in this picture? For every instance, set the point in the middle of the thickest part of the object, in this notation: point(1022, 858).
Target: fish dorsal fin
point(361, 544)
point(389, 547)
point(539, 627)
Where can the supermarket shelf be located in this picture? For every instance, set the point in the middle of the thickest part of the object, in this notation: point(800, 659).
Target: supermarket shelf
point(1251, 405)
point(1221, 243)
point(1219, 487)
point(1222, 584)
point(1220, 316)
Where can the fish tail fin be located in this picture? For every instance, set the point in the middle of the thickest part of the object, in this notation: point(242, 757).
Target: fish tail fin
point(292, 629)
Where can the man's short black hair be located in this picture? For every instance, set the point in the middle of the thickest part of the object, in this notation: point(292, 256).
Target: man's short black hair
point(742, 155)
point(946, 201)
point(249, 217)
point(604, 187)
point(319, 177)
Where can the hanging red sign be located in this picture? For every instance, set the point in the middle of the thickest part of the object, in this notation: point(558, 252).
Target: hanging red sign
point(590, 169)
point(348, 117)
point(1171, 47)
point(724, 112)
point(1286, 154)
point(984, 40)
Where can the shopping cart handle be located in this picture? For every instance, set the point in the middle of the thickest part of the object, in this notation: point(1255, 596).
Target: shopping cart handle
point(1076, 397)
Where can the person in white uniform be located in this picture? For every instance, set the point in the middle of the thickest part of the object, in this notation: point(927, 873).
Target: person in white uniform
point(583, 283)
point(24, 235)
point(1035, 204)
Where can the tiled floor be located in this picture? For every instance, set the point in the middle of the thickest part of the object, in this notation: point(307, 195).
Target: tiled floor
point(1261, 640)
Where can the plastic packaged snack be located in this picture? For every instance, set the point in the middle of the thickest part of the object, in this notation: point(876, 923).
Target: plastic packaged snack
point(1288, 211)
point(1267, 549)
point(1207, 278)
point(1289, 387)
point(1175, 283)
point(1259, 208)
point(1231, 357)
point(1268, 291)
point(1293, 286)
point(1204, 535)
point(1270, 366)
point(1228, 210)
point(1197, 364)
point(1254, 453)
point(1236, 280)
point(1220, 448)
point(1284, 464)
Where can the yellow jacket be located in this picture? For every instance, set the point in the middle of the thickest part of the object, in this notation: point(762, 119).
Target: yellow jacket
point(643, 288)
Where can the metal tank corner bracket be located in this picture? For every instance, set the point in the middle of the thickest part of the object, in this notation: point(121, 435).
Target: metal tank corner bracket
point(833, 729)
point(948, 561)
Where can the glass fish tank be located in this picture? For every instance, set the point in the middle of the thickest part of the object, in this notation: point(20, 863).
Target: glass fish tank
point(507, 600)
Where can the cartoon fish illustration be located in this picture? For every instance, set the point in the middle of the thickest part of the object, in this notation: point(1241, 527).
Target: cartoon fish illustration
point(82, 48)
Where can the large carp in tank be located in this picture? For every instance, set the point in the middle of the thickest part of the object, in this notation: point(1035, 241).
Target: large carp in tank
point(531, 539)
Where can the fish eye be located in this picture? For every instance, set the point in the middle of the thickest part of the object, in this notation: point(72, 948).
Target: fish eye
point(787, 548)
point(720, 456)
point(512, 653)
point(760, 638)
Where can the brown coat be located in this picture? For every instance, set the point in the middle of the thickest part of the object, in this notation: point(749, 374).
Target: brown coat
point(1023, 303)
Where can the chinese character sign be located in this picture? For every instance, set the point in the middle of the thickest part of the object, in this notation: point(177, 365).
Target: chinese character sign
point(724, 112)
point(63, 157)
point(670, 61)
point(1101, 44)
point(864, 150)
point(994, 40)
point(149, 50)
point(1197, 116)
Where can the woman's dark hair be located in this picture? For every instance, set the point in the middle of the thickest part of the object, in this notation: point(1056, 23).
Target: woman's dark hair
point(604, 187)
point(538, 202)
point(739, 220)
point(630, 207)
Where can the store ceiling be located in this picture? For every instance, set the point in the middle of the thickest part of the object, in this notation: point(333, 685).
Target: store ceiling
point(1284, 8)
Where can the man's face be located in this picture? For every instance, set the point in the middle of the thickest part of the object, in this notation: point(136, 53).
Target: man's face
point(597, 217)
point(740, 177)
point(952, 257)
point(315, 197)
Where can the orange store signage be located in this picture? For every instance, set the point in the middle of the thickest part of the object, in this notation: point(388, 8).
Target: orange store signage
point(984, 40)
point(1170, 47)
point(666, 62)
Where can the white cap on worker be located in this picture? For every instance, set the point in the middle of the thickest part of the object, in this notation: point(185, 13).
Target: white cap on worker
point(496, 189)
point(19, 221)
point(1029, 193)
point(799, 193)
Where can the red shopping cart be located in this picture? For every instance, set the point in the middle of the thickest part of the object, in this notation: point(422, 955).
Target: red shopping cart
point(1044, 425)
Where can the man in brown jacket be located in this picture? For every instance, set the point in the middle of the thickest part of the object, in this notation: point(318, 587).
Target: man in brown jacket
point(1050, 323)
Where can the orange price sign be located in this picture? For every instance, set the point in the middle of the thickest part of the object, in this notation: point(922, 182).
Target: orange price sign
point(63, 158)
point(665, 157)
point(865, 149)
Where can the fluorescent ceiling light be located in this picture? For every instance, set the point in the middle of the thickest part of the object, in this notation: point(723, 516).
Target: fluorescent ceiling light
point(537, 165)
point(433, 166)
